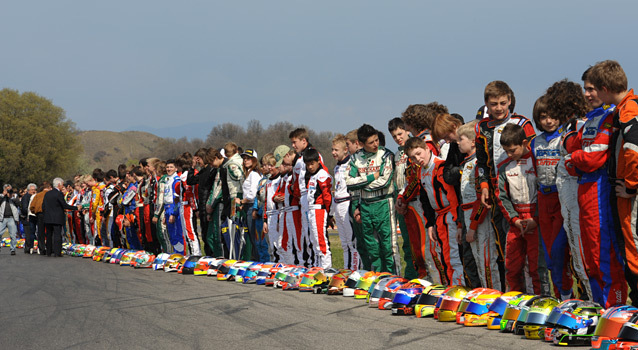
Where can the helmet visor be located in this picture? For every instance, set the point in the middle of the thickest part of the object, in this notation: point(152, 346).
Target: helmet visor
point(609, 327)
point(536, 318)
point(476, 308)
point(499, 305)
point(511, 313)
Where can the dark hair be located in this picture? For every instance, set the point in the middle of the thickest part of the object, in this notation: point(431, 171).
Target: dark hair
point(98, 175)
point(565, 100)
point(137, 171)
point(421, 117)
point(111, 174)
point(381, 138)
point(144, 161)
point(310, 155)
point(299, 133)
point(201, 153)
point(513, 135)
point(540, 108)
point(585, 76)
point(396, 123)
point(171, 161)
point(121, 171)
point(365, 132)
point(68, 183)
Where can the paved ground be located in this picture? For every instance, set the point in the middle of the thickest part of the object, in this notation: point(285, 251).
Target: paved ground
point(62, 303)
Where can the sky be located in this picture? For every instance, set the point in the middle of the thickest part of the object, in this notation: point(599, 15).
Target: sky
point(179, 68)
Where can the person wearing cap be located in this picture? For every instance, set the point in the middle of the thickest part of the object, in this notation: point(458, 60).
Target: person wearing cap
point(217, 205)
point(272, 208)
point(267, 163)
point(252, 176)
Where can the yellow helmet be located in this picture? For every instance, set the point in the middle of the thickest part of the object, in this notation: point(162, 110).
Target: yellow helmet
point(450, 303)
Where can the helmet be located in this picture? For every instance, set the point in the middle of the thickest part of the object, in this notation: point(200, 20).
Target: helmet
point(323, 280)
point(250, 275)
point(79, 250)
point(224, 269)
point(450, 303)
point(280, 276)
point(406, 297)
point(98, 254)
point(174, 262)
point(201, 268)
point(241, 271)
point(126, 258)
point(144, 260)
point(377, 279)
point(577, 327)
point(338, 282)
point(160, 260)
point(373, 300)
point(465, 302)
point(352, 282)
point(293, 279)
point(88, 251)
point(385, 300)
point(189, 265)
point(476, 311)
point(270, 279)
point(308, 281)
point(107, 256)
point(213, 266)
point(263, 273)
point(554, 315)
point(534, 323)
point(117, 256)
point(362, 286)
point(512, 311)
point(610, 324)
point(424, 304)
point(6, 242)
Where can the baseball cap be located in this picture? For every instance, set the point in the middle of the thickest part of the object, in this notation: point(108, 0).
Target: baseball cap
point(279, 154)
point(250, 152)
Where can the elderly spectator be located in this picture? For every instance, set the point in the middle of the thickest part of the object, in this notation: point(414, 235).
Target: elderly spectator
point(9, 215)
point(36, 208)
point(28, 218)
point(53, 207)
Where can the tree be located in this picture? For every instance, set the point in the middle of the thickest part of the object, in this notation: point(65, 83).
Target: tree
point(37, 141)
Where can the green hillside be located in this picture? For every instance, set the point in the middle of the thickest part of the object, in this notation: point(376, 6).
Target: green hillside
point(107, 149)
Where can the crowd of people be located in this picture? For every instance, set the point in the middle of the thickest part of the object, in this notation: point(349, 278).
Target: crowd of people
point(485, 203)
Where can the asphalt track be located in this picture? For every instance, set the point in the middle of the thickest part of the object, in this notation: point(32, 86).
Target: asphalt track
point(76, 303)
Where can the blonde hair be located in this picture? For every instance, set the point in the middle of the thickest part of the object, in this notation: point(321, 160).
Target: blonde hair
point(468, 130)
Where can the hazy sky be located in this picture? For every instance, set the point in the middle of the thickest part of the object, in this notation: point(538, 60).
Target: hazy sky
point(331, 65)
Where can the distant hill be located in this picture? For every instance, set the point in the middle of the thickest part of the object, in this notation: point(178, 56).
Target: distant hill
point(108, 149)
point(190, 131)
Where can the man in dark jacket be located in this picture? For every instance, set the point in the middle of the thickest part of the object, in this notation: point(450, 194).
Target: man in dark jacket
point(9, 215)
point(53, 207)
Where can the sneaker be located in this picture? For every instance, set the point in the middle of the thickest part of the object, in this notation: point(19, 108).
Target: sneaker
point(13, 252)
point(30, 250)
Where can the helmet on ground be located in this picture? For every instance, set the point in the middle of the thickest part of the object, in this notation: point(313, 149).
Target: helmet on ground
point(577, 327)
point(476, 311)
point(362, 286)
point(512, 311)
point(378, 278)
point(98, 255)
point(88, 251)
point(405, 298)
point(338, 282)
point(293, 279)
point(465, 302)
point(144, 260)
point(450, 303)
point(390, 290)
point(554, 315)
point(201, 268)
point(241, 271)
point(263, 273)
point(425, 303)
point(126, 258)
point(224, 269)
point(281, 274)
point(250, 275)
point(117, 256)
point(79, 250)
point(213, 266)
point(160, 260)
point(324, 279)
point(352, 281)
point(610, 323)
point(534, 323)
point(189, 265)
point(379, 287)
point(107, 256)
point(174, 262)
point(308, 280)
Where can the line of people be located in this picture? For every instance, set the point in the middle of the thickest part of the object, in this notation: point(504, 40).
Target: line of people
point(485, 203)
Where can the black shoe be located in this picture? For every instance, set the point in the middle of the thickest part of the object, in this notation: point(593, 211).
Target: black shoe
point(58, 255)
point(49, 254)
point(13, 252)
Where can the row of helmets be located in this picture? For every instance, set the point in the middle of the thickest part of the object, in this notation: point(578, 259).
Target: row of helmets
point(6, 242)
point(571, 322)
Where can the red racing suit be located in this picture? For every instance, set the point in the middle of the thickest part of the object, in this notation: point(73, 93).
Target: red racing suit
point(589, 154)
point(319, 186)
point(517, 200)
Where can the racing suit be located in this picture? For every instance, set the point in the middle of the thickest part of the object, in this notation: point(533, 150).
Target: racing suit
point(546, 157)
point(518, 201)
point(286, 222)
point(271, 216)
point(483, 247)
point(162, 232)
point(416, 264)
point(188, 205)
point(128, 202)
point(319, 186)
point(172, 195)
point(108, 218)
point(422, 247)
point(624, 165)
point(376, 206)
point(258, 207)
point(588, 147)
point(489, 154)
point(339, 210)
point(442, 214)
